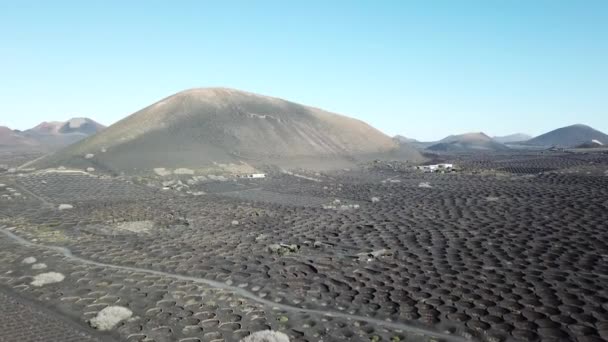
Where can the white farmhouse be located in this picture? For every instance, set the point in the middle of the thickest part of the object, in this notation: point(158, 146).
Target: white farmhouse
point(436, 168)
point(253, 175)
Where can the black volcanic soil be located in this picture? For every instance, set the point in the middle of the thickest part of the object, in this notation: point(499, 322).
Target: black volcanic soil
point(512, 247)
point(13, 159)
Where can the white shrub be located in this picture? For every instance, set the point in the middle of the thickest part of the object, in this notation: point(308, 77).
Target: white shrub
point(109, 317)
point(29, 260)
point(266, 336)
point(183, 171)
point(39, 266)
point(47, 278)
point(161, 171)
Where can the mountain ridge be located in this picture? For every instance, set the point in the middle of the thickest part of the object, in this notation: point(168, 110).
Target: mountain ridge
point(568, 136)
point(467, 142)
point(511, 138)
point(207, 126)
point(49, 135)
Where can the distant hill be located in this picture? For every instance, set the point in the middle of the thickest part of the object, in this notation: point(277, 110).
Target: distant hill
point(467, 142)
point(57, 134)
point(15, 140)
point(203, 128)
point(51, 127)
point(517, 137)
point(591, 144)
point(83, 126)
point(402, 139)
point(569, 136)
point(48, 136)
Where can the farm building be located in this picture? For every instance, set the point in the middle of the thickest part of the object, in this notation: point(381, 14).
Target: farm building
point(436, 168)
point(253, 175)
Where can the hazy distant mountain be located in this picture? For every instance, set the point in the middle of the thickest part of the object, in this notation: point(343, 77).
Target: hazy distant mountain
point(591, 144)
point(83, 126)
point(57, 134)
point(15, 140)
point(467, 142)
point(569, 136)
point(517, 137)
point(402, 139)
point(201, 128)
point(45, 127)
point(48, 136)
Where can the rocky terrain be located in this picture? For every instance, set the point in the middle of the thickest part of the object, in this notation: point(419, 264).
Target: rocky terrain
point(511, 247)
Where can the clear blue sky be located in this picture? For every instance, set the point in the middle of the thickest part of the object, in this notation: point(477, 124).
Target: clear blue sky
point(424, 69)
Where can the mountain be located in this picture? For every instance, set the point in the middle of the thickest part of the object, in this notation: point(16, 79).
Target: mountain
point(591, 144)
point(48, 136)
point(58, 134)
point(45, 127)
point(204, 128)
point(404, 140)
point(569, 136)
point(15, 140)
point(84, 126)
point(517, 137)
point(467, 142)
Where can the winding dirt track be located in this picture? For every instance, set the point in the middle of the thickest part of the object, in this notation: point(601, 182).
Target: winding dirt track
point(242, 292)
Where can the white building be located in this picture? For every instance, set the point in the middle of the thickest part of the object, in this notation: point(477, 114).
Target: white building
point(428, 168)
point(447, 167)
point(253, 175)
point(436, 168)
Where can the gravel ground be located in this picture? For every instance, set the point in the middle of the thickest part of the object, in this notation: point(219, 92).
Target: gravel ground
point(514, 247)
point(24, 321)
